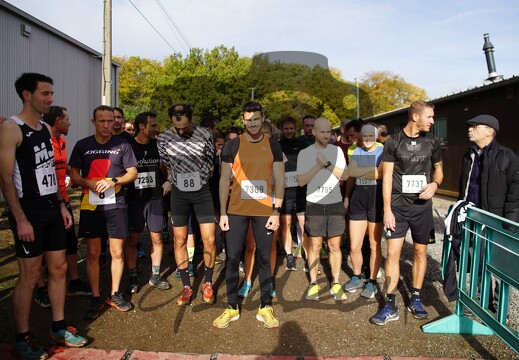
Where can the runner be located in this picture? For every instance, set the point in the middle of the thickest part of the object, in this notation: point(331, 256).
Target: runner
point(101, 164)
point(188, 152)
point(253, 158)
point(407, 188)
point(366, 206)
point(294, 203)
point(59, 121)
point(145, 202)
point(38, 216)
point(320, 166)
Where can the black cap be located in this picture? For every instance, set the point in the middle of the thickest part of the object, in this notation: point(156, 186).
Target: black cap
point(487, 120)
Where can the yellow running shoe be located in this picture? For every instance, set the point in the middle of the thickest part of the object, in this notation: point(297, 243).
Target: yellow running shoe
point(337, 292)
point(222, 321)
point(266, 315)
point(313, 292)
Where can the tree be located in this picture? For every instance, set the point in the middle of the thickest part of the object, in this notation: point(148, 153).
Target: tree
point(387, 91)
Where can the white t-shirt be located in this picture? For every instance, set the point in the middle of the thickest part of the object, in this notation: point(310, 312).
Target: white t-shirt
point(324, 187)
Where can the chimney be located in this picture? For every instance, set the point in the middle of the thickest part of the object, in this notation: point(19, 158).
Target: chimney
point(488, 48)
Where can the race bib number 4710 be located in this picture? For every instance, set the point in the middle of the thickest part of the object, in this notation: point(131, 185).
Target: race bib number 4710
point(46, 178)
point(412, 184)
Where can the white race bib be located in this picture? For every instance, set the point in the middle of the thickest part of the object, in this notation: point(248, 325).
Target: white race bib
point(363, 181)
point(106, 198)
point(253, 189)
point(189, 181)
point(322, 192)
point(46, 178)
point(412, 184)
point(291, 179)
point(145, 180)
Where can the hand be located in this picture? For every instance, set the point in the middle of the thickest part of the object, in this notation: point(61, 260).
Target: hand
point(166, 188)
point(67, 181)
point(272, 222)
point(224, 222)
point(103, 185)
point(389, 220)
point(67, 218)
point(321, 159)
point(25, 231)
point(428, 191)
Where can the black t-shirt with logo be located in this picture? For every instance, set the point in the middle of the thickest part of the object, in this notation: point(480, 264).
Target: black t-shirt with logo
point(414, 159)
point(148, 184)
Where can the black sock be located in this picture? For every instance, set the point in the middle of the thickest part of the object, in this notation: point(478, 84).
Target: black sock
point(234, 306)
point(21, 336)
point(184, 275)
point(415, 294)
point(59, 325)
point(391, 301)
point(373, 281)
point(208, 272)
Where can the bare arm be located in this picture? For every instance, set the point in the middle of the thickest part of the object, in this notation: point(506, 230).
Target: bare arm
point(279, 176)
point(429, 190)
point(387, 189)
point(223, 192)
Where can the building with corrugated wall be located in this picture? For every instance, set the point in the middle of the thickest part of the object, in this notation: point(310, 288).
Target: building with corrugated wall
point(29, 45)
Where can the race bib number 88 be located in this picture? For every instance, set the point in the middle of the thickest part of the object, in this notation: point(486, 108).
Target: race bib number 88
point(189, 181)
point(412, 184)
point(253, 189)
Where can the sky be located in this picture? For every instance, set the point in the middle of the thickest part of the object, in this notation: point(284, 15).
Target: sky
point(434, 45)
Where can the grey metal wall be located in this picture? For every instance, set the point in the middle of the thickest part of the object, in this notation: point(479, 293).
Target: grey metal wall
point(75, 68)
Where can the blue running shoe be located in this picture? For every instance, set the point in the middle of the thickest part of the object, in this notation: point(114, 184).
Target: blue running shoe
point(27, 349)
point(68, 337)
point(245, 289)
point(384, 316)
point(417, 309)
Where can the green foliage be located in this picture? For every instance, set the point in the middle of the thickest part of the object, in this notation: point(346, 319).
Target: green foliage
point(218, 82)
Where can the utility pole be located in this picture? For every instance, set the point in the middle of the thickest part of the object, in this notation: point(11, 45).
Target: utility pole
point(252, 93)
point(106, 79)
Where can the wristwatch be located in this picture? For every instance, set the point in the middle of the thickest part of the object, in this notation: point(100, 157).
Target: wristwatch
point(115, 181)
point(327, 164)
point(278, 209)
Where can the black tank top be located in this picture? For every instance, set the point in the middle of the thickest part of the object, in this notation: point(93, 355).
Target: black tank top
point(34, 174)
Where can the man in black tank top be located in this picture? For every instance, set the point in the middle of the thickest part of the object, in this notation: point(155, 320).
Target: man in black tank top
point(38, 216)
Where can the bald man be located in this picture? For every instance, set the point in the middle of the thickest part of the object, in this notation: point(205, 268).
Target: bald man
point(320, 167)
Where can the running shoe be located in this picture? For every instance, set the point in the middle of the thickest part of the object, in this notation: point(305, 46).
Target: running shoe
point(370, 290)
point(291, 263)
point(207, 293)
point(28, 349)
point(245, 289)
point(159, 282)
point(298, 251)
point(266, 316)
point(230, 314)
point(337, 292)
point(313, 292)
point(384, 316)
point(305, 269)
point(42, 297)
point(133, 285)
point(79, 288)
point(96, 305)
point(185, 296)
point(117, 301)
point(417, 309)
point(68, 337)
point(272, 292)
point(356, 282)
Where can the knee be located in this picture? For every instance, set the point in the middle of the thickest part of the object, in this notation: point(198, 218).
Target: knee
point(58, 270)
point(316, 247)
point(116, 253)
point(93, 254)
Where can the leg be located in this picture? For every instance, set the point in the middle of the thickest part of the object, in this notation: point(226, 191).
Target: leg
point(92, 265)
point(29, 269)
point(419, 264)
point(249, 254)
point(334, 245)
point(156, 248)
point(316, 242)
point(301, 222)
point(273, 255)
point(357, 232)
point(375, 239)
point(180, 246)
point(394, 249)
point(263, 247)
point(130, 249)
point(286, 236)
point(57, 283)
point(207, 232)
point(236, 235)
point(116, 251)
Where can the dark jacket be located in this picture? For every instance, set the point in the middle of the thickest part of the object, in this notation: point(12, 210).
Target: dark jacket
point(499, 188)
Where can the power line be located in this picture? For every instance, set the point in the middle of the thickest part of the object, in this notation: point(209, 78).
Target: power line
point(169, 22)
point(163, 38)
point(177, 28)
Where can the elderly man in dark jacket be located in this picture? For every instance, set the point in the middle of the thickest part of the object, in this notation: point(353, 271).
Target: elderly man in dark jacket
point(490, 173)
